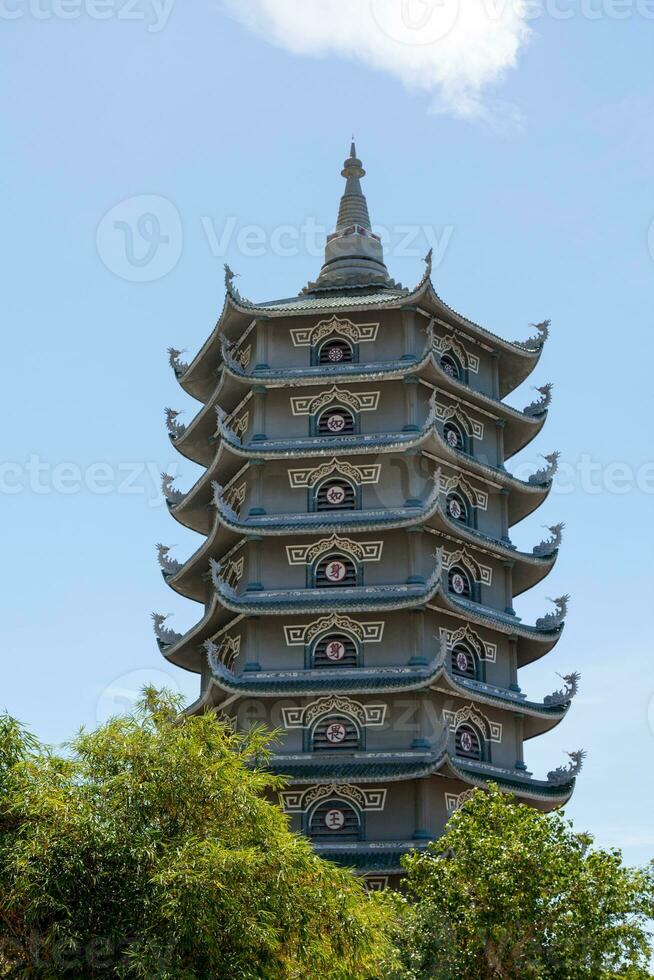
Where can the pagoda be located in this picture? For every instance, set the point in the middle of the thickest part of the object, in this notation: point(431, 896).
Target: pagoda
point(355, 574)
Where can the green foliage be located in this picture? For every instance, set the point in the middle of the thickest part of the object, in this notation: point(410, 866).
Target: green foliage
point(510, 893)
point(151, 850)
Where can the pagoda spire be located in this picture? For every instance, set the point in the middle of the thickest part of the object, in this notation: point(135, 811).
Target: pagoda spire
point(354, 256)
point(353, 209)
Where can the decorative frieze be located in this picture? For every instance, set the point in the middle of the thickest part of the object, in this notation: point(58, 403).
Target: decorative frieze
point(307, 633)
point(301, 800)
point(453, 801)
point(357, 333)
point(478, 498)
point(473, 428)
point(450, 343)
point(362, 401)
point(491, 730)
point(306, 554)
point(365, 714)
point(362, 475)
point(465, 634)
point(480, 573)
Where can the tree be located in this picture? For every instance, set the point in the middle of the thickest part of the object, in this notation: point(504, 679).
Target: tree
point(151, 849)
point(508, 892)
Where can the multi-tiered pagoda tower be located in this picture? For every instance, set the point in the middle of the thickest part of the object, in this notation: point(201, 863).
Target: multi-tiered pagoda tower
point(356, 574)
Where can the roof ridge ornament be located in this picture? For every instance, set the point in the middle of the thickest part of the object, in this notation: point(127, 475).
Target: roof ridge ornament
point(540, 405)
point(175, 428)
point(171, 493)
point(169, 566)
point(554, 620)
point(563, 774)
point(537, 342)
point(179, 367)
point(549, 546)
point(166, 637)
point(546, 473)
point(565, 695)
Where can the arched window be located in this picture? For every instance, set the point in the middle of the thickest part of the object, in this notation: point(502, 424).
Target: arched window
point(468, 742)
point(458, 508)
point(335, 350)
point(335, 818)
point(454, 436)
point(335, 734)
point(335, 650)
point(336, 421)
point(335, 494)
point(459, 582)
point(464, 661)
point(451, 365)
point(335, 571)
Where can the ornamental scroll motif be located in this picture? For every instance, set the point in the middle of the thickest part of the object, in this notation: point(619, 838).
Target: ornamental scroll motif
point(361, 475)
point(357, 333)
point(480, 573)
point(301, 800)
point(364, 632)
point(485, 651)
point(363, 401)
point(364, 714)
point(454, 801)
point(478, 498)
point(305, 554)
point(473, 428)
point(444, 344)
point(491, 730)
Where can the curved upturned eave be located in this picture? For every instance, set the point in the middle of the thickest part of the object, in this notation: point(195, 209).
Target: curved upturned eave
point(539, 717)
point(197, 442)
point(520, 429)
point(226, 530)
point(532, 642)
point(198, 379)
point(193, 511)
point(387, 767)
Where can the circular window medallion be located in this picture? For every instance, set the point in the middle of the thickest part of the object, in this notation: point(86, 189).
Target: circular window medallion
point(458, 583)
point(335, 423)
point(335, 650)
point(448, 367)
point(335, 495)
point(335, 733)
point(466, 742)
point(334, 819)
point(335, 571)
point(455, 509)
point(335, 354)
point(451, 438)
point(462, 661)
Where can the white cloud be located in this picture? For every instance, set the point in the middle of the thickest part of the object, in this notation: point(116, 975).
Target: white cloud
point(451, 49)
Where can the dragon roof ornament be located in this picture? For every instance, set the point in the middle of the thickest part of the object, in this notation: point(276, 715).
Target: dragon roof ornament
point(175, 428)
point(538, 341)
point(171, 493)
point(540, 405)
point(566, 694)
point(546, 473)
point(564, 774)
point(179, 367)
point(554, 620)
point(165, 636)
point(169, 566)
point(547, 547)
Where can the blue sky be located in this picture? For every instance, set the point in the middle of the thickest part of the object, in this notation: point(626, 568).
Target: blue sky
point(520, 145)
